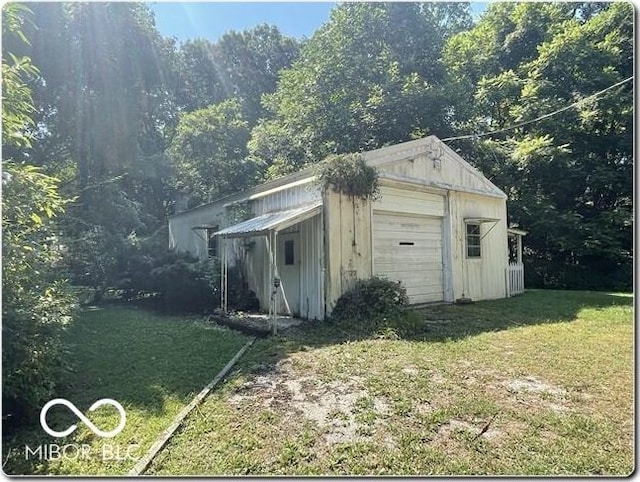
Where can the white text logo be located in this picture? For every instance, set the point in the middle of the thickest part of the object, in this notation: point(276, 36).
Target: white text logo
point(80, 415)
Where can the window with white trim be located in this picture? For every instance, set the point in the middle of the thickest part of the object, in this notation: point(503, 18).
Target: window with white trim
point(473, 240)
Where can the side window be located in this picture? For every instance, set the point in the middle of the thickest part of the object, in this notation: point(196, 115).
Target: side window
point(289, 254)
point(473, 241)
point(212, 242)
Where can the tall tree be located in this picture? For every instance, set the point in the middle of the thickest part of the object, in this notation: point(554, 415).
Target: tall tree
point(106, 109)
point(369, 77)
point(243, 65)
point(209, 150)
point(569, 177)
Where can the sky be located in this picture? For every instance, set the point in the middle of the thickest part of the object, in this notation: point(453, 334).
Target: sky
point(210, 20)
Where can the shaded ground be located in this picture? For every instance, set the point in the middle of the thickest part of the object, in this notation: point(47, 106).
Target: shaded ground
point(152, 364)
point(254, 323)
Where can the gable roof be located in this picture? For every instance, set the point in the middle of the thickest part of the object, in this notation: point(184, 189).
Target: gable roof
point(375, 158)
point(434, 149)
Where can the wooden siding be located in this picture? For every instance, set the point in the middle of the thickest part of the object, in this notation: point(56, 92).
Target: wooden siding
point(347, 247)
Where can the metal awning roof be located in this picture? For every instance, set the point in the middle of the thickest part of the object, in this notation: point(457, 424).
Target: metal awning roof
point(481, 220)
point(274, 221)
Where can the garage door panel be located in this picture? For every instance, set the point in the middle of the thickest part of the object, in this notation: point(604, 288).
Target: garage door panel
point(417, 263)
point(392, 268)
point(425, 239)
point(402, 201)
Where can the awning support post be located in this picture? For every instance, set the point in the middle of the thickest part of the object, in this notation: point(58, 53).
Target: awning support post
point(276, 283)
point(223, 275)
point(226, 278)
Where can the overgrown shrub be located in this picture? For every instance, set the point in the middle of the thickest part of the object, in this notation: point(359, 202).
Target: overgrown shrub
point(186, 284)
point(349, 174)
point(183, 283)
point(36, 303)
point(369, 301)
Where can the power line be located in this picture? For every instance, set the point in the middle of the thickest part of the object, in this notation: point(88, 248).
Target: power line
point(545, 116)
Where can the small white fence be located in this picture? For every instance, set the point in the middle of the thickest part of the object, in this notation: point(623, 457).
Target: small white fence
point(515, 279)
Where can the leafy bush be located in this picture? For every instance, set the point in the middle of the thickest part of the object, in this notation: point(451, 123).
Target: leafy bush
point(186, 284)
point(349, 174)
point(36, 304)
point(370, 301)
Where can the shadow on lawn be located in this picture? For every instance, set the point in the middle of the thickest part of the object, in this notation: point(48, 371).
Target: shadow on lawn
point(142, 359)
point(439, 323)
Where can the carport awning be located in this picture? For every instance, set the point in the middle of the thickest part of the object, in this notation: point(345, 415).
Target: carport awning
point(275, 221)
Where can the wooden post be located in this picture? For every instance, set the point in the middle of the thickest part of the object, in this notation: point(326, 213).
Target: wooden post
point(507, 279)
point(519, 238)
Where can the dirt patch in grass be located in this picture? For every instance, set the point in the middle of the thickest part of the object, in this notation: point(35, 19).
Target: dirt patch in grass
point(342, 410)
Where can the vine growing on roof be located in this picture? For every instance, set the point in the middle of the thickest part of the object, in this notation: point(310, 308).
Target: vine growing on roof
point(349, 174)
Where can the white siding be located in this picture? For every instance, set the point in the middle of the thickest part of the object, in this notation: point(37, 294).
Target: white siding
point(408, 248)
point(311, 269)
point(479, 278)
point(286, 199)
point(347, 234)
point(309, 288)
point(182, 236)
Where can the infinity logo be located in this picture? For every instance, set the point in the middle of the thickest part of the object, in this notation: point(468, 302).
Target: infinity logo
point(80, 415)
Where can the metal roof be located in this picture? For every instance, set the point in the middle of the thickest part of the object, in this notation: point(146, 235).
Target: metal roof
point(273, 221)
point(480, 220)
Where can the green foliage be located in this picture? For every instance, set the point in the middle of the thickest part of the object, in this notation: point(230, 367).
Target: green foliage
point(208, 151)
point(243, 65)
point(369, 302)
point(17, 71)
point(568, 177)
point(349, 174)
point(181, 283)
point(239, 296)
point(186, 284)
point(368, 77)
point(36, 305)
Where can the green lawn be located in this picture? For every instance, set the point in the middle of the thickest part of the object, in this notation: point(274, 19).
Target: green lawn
point(153, 365)
point(537, 384)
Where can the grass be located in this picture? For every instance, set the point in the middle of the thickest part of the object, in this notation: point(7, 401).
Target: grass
point(153, 365)
point(540, 384)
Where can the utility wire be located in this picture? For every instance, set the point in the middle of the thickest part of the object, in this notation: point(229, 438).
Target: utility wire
point(545, 116)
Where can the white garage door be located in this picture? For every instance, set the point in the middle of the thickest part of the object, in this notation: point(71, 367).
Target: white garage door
point(408, 248)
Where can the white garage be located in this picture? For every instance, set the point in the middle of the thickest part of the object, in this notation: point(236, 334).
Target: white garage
point(438, 226)
point(408, 248)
